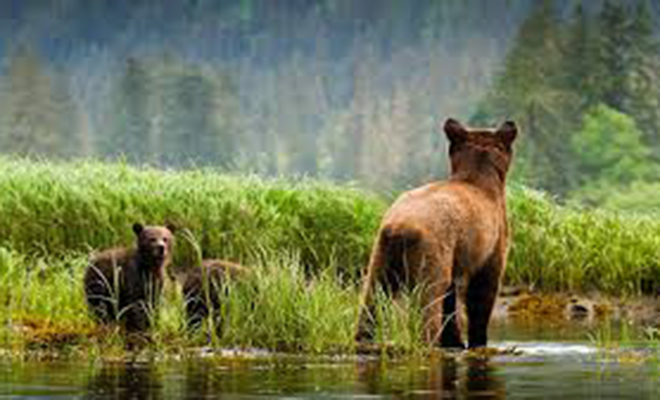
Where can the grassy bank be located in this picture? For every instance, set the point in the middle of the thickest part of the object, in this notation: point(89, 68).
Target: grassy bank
point(42, 306)
point(52, 215)
point(57, 209)
point(568, 249)
point(51, 209)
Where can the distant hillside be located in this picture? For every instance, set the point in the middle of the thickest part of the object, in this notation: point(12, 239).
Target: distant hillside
point(340, 89)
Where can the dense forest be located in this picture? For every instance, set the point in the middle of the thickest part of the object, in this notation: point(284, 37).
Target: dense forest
point(586, 89)
point(340, 89)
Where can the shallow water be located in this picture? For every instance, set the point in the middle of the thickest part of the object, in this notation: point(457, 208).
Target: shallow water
point(542, 370)
point(568, 369)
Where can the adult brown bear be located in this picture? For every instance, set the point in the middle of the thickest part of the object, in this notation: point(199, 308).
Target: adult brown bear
point(125, 283)
point(450, 237)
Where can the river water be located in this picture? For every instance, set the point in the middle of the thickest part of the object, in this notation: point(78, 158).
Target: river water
point(567, 369)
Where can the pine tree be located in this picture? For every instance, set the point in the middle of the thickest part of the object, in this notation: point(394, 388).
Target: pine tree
point(194, 117)
point(36, 112)
point(349, 154)
point(224, 118)
point(305, 91)
point(529, 92)
point(643, 79)
point(131, 108)
point(613, 59)
point(579, 59)
point(193, 135)
point(67, 126)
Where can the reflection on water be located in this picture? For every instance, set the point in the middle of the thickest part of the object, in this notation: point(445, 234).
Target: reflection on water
point(483, 381)
point(204, 378)
point(439, 378)
point(541, 369)
point(126, 380)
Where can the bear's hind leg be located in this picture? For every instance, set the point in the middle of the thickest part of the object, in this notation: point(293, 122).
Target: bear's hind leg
point(451, 332)
point(366, 313)
point(392, 265)
point(481, 294)
point(439, 301)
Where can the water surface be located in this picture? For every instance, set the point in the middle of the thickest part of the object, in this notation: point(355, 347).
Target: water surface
point(570, 368)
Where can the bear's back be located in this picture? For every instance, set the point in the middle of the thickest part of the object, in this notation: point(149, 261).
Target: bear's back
point(106, 261)
point(459, 215)
point(442, 206)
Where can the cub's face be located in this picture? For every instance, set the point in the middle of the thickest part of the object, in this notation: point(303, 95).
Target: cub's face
point(154, 242)
point(474, 149)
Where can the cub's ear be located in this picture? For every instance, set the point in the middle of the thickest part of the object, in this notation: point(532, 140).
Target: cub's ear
point(138, 228)
point(508, 132)
point(455, 131)
point(171, 227)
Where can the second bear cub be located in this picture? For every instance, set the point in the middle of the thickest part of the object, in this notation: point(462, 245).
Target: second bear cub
point(201, 302)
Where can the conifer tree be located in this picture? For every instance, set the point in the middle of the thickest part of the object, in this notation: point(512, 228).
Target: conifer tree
point(198, 130)
point(36, 112)
point(131, 108)
point(613, 59)
point(643, 79)
point(192, 112)
point(528, 91)
point(579, 60)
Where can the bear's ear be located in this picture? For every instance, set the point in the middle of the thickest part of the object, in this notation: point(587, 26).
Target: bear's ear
point(455, 131)
point(171, 227)
point(508, 132)
point(138, 228)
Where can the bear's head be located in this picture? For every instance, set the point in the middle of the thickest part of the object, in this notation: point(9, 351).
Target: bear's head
point(475, 151)
point(154, 243)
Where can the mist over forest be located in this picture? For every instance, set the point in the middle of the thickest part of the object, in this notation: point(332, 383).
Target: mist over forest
point(340, 89)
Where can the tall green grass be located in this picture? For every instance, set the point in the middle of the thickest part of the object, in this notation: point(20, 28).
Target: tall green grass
point(57, 208)
point(50, 209)
point(567, 248)
point(275, 308)
point(300, 238)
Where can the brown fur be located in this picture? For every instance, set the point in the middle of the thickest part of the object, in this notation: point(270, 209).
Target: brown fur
point(449, 236)
point(125, 284)
point(196, 299)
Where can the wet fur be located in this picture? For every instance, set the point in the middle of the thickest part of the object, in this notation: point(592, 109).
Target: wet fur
point(450, 237)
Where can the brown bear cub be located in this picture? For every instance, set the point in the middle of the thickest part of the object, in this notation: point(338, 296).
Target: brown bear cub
point(198, 301)
point(125, 284)
point(450, 237)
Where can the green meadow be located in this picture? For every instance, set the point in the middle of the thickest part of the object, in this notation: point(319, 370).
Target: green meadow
point(306, 242)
